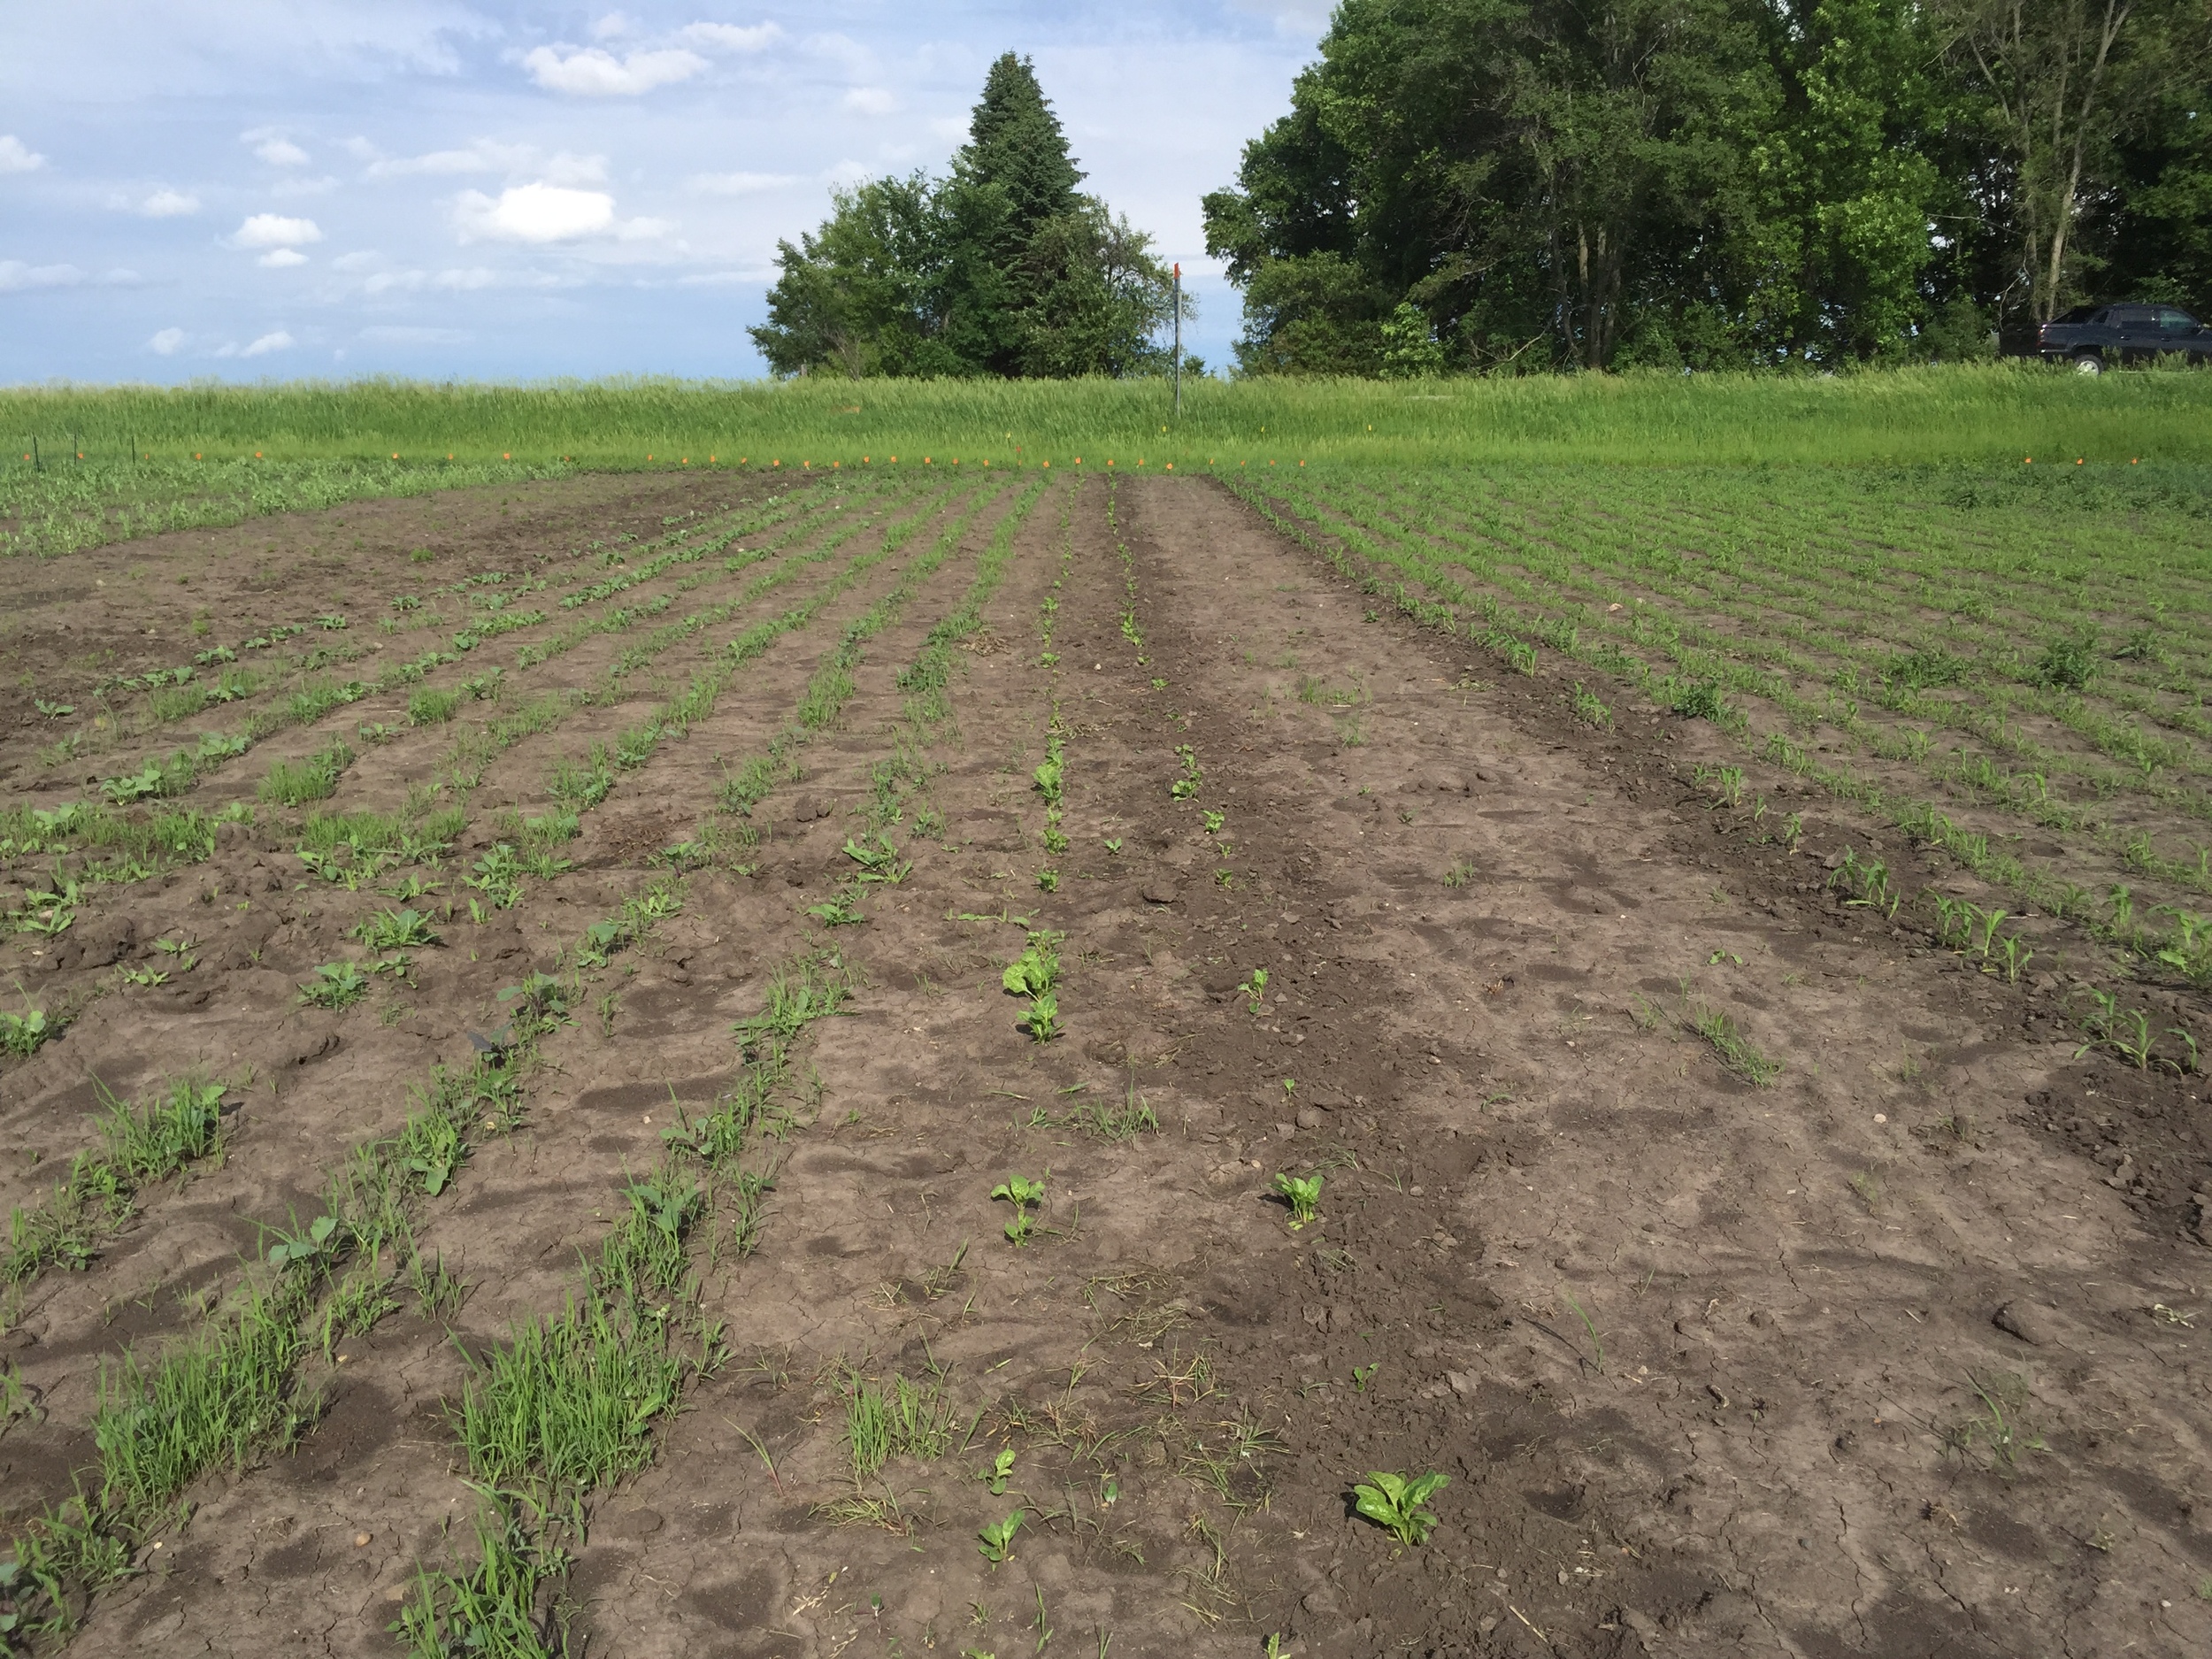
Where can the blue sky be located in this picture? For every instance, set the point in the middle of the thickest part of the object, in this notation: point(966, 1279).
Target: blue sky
point(442, 188)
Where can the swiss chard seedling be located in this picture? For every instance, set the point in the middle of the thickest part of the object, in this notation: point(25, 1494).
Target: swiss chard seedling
point(336, 985)
point(1303, 1194)
point(1025, 1195)
point(1395, 1503)
point(998, 1538)
point(1001, 1471)
point(1254, 989)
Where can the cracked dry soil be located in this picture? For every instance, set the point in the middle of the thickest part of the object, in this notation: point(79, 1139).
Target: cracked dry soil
point(1874, 1359)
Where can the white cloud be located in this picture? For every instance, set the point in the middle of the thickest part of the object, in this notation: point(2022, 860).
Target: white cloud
point(322, 186)
point(278, 341)
point(282, 258)
point(167, 204)
point(870, 101)
point(273, 147)
point(486, 155)
point(273, 230)
point(847, 173)
point(591, 72)
point(732, 37)
point(614, 24)
point(460, 281)
point(548, 213)
point(955, 127)
point(743, 183)
point(534, 213)
point(17, 156)
point(167, 342)
point(360, 259)
point(15, 276)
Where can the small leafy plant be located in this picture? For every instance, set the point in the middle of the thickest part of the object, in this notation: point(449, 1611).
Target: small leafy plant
point(336, 985)
point(1253, 990)
point(22, 1034)
point(998, 1538)
point(1001, 1471)
point(318, 1242)
point(1303, 1194)
point(1025, 1195)
point(1187, 785)
point(396, 930)
point(1395, 1503)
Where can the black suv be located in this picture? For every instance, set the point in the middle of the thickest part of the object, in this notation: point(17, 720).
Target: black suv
point(2091, 337)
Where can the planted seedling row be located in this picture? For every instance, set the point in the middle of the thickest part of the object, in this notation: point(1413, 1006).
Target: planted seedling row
point(1919, 817)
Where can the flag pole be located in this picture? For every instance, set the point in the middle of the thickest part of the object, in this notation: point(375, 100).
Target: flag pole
point(1178, 341)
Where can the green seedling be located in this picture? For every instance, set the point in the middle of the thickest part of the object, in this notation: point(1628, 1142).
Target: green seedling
point(1001, 1471)
point(1303, 1194)
point(1720, 956)
point(22, 1034)
point(879, 862)
point(1187, 785)
point(1395, 1503)
point(336, 985)
point(143, 976)
point(396, 930)
point(1048, 881)
point(1048, 778)
point(1589, 711)
point(998, 1538)
point(1253, 990)
point(840, 910)
point(1114, 846)
point(319, 1241)
point(1042, 1021)
point(1213, 821)
point(53, 711)
point(1025, 1195)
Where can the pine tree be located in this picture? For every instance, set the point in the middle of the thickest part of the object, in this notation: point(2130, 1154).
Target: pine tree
point(1004, 268)
point(1016, 142)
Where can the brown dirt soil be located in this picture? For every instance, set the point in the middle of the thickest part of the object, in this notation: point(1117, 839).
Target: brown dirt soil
point(1900, 1354)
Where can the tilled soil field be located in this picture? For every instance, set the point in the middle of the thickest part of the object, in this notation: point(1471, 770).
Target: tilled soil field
point(740, 1088)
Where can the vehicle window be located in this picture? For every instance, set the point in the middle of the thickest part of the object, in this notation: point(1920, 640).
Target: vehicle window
point(2080, 314)
point(2176, 322)
point(2128, 316)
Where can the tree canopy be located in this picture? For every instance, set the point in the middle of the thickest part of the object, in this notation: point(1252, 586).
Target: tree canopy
point(1003, 267)
point(1475, 184)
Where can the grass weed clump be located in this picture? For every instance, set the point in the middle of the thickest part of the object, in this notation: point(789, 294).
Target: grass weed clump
point(297, 782)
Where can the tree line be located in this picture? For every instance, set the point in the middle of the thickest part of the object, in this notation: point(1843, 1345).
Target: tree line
point(1487, 186)
point(1504, 184)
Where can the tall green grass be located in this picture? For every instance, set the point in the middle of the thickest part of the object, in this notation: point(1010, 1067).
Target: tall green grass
point(1963, 413)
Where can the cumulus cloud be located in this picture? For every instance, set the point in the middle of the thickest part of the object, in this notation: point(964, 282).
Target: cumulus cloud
point(547, 213)
point(732, 37)
point(614, 26)
point(167, 343)
point(590, 72)
point(274, 147)
point(282, 258)
point(534, 213)
point(15, 276)
point(743, 183)
point(167, 204)
point(278, 341)
point(486, 155)
point(275, 230)
point(17, 156)
point(870, 101)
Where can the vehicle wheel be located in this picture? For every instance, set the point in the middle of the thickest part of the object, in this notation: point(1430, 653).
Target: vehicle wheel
point(2088, 364)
